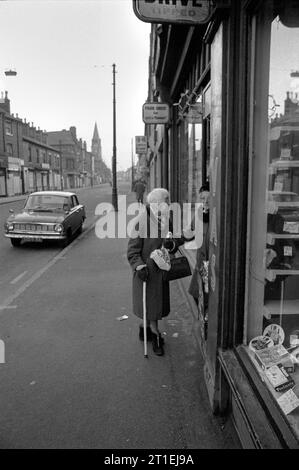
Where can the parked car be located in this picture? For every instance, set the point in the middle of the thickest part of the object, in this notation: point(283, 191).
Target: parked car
point(47, 215)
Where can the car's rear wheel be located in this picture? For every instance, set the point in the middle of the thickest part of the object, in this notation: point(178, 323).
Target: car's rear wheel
point(16, 241)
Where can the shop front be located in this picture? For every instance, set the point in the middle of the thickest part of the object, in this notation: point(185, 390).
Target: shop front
point(234, 96)
point(14, 176)
point(3, 167)
point(269, 351)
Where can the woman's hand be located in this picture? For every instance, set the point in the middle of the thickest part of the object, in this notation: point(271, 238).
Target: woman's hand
point(142, 272)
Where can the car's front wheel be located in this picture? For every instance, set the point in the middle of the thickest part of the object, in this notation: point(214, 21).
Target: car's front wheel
point(66, 241)
point(16, 241)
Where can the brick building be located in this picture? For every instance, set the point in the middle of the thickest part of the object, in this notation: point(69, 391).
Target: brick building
point(27, 162)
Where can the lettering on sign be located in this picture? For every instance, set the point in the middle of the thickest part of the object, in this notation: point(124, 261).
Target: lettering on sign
point(155, 113)
point(173, 11)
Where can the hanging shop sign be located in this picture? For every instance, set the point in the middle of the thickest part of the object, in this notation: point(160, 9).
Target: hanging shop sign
point(45, 166)
point(155, 113)
point(194, 115)
point(177, 11)
point(140, 144)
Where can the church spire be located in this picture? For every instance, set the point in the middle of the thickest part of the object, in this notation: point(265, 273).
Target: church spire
point(96, 133)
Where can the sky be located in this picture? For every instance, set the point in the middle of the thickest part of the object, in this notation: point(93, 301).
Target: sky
point(63, 51)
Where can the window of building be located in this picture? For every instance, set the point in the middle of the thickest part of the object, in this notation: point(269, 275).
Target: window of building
point(272, 326)
point(8, 127)
point(37, 155)
point(70, 164)
point(9, 149)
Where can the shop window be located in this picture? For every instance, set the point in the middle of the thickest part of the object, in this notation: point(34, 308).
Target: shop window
point(9, 149)
point(273, 294)
point(194, 119)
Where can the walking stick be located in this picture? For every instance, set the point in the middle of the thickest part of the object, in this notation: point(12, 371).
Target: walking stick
point(144, 319)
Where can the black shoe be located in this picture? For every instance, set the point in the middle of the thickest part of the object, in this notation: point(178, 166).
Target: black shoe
point(157, 343)
point(148, 333)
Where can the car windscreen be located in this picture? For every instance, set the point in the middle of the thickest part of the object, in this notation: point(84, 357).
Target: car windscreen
point(48, 202)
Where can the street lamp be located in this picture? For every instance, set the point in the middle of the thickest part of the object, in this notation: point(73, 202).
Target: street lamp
point(114, 188)
point(10, 73)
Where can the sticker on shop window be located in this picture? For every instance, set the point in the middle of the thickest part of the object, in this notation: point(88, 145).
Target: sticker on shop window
point(287, 251)
point(278, 186)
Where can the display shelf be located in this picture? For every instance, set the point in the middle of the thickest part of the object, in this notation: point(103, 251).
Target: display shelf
point(279, 204)
point(293, 417)
point(272, 273)
point(271, 236)
point(284, 164)
point(273, 308)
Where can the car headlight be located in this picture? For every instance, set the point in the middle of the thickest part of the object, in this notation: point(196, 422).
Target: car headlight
point(10, 227)
point(58, 228)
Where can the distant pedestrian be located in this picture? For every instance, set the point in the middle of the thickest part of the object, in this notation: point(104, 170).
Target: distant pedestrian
point(139, 189)
point(156, 219)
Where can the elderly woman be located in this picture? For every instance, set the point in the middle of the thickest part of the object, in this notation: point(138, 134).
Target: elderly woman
point(153, 225)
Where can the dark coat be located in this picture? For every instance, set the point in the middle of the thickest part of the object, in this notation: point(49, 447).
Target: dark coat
point(139, 188)
point(196, 284)
point(157, 290)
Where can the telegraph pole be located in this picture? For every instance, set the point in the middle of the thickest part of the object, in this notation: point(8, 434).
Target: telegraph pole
point(114, 179)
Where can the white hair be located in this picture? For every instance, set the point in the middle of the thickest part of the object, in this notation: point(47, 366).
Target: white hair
point(157, 195)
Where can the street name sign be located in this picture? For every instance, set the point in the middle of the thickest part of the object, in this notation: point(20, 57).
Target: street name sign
point(155, 113)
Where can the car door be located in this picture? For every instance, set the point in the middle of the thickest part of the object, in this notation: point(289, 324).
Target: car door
point(77, 212)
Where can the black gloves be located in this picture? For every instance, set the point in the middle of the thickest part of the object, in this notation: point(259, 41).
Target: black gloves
point(142, 273)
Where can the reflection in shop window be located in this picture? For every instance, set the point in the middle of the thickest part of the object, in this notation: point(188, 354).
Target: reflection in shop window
point(276, 351)
point(194, 118)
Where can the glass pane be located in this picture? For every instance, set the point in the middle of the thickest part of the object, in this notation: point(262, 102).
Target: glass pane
point(275, 345)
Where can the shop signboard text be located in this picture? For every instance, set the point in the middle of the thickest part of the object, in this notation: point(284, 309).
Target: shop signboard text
point(155, 113)
point(173, 11)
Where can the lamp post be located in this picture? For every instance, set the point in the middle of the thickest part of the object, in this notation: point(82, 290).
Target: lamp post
point(114, 179)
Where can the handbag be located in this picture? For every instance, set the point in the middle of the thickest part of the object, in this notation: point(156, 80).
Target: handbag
point(179, 268)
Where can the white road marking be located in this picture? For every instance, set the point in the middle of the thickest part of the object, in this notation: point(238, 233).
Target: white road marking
point(14, 281)
point(6, 303)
